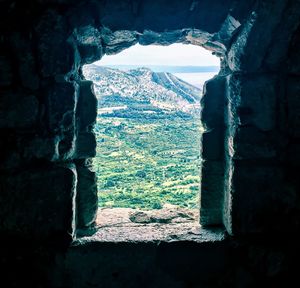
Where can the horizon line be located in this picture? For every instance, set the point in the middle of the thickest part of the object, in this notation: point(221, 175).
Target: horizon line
point(141, 65)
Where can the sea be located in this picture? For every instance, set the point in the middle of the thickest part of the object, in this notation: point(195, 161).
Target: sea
point(196, 79)
point(194, 75)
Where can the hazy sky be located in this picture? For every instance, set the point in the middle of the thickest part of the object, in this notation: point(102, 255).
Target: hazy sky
point(172, 55)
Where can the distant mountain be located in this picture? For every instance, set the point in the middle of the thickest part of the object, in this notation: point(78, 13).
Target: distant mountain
point(142, 93)
point(170, 69)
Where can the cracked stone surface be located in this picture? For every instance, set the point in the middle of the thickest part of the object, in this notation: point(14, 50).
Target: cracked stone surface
point(170, 223)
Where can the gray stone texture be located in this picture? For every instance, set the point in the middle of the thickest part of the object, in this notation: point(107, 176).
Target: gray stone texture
point(86, 110)
point(86, 197)
point(41, 214)
point(46, 119)
point(51, 61)
point(85, 145)
point(88, 40)
point(212, 170)
point(212, 186)
point(240, 55)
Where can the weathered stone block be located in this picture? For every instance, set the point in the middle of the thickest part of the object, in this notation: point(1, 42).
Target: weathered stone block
point(61, 102)
point(86, 110)
point(39, 203)
point(256, 192)
point(275, 60)
point(248, 50)
point(160, 264)
point(85, 145)
point(189, 14)
point(212, 102)
point(86, 199)
point(150, 37)
point(18, 149)
point(83, 14)
point(18, 110)
point(36, 147)
point(228, 192)
point(254, 100)
point(213, 144)
point(119, 40)
point(66, 146)
point(88, 40)
point(212, 187)
point(55, 53)
point(229, 27)
point(212, 183)
point(252, 143)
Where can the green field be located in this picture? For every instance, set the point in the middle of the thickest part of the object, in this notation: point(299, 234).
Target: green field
point(146, 163)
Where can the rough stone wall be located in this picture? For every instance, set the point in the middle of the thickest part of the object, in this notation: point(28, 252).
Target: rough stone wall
point(250, 147)
point(46, 126)
point(261, 196)
point(48, 109)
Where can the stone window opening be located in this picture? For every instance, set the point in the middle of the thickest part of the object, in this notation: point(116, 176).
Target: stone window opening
point(110, 224)
point(250, 183)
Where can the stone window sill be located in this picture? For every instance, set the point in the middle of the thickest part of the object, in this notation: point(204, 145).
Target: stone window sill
point(165, 225)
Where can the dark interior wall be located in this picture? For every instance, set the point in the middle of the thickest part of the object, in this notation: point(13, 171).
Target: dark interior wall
point(251, 147)
point(264, 199)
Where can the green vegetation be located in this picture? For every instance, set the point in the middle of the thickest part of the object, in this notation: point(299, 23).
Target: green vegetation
point(145, 162)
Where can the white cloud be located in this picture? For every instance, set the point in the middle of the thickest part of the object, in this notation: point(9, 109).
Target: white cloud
point(172, 55)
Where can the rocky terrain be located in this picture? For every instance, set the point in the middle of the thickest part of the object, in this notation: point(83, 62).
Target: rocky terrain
point(147, 129)
point(167, 224)
point(142, 89)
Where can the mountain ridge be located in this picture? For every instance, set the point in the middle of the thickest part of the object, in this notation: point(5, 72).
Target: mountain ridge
point(168, 68)
point(142, 88)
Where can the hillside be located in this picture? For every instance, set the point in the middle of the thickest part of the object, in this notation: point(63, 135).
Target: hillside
point(143, 92)
point(148, 133)
point(172, 69)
